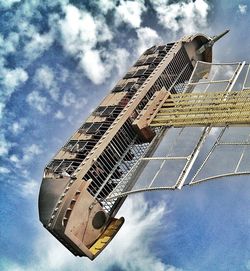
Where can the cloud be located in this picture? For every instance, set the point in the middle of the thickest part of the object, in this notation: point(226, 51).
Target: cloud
point(147, 37)
point(248, 265)
point(105, 5)
point(44, 78)
point(94, 68)
point(40, 103)
point(69, 98)
point(120, 58)
point(30, 152)
point(4, 170)
point(187, 17)
point(14, 158)
point(12, 79)
point(4, 145)
point(129, 250)
point(242, 9)
point(80, 33)
point(64, 74)
point(9, 44)
point(8, 3)
point(18, 126)
point(59, 115)
point(37, 45)
point(130, 12)
point(29, 188)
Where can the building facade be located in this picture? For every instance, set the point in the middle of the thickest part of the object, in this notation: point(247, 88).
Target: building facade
point(73, 200)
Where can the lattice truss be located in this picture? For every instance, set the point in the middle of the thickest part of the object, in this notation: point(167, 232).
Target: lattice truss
point(205, 133)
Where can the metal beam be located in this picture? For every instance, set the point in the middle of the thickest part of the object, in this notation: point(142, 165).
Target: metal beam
point(202, 109)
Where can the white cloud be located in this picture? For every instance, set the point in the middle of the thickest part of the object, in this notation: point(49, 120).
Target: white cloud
point(30, 152)
point(120, 57)
point(130, 12)
point(80, 103)
point(4, 170)
point(29, 188)
point(64, 74)
point(94, 68)
point(130, 249)
point(59, 115)
point(147, 37)
point(69, 98)
point(45, 78)
point(8, 3)
point(242, 8)
point(187, 17)
point(9, 44)
point(248, 265)
point(37, 45)
point(14, 158)
point(40, 103)
point(4, 145)
point(13, 78)
point(80, 33)
point(18, 126)
point(106, 5)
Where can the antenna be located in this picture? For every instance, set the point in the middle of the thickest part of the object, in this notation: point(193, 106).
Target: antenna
point(211, 42)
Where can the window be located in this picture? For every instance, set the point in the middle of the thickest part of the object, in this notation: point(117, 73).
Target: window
point(85, 126)
point(128, 86)
point(150, 50)
point(129, 75)
point(104, 111)
point(139, 72)
point(150, 60)
point(108, 111)
point(99, 110)
point(117, 88)
point(94, 128)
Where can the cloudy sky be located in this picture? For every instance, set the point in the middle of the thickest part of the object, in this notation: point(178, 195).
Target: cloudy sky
point(57, 60)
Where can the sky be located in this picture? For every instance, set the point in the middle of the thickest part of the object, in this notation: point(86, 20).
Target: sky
point(58, 59)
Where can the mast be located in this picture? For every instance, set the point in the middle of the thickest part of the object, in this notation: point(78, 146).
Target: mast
point(211, 42)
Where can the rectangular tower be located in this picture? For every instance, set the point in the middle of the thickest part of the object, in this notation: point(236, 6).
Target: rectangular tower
point(73, 202)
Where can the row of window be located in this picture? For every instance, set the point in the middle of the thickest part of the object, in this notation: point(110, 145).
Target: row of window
point(97, 129)
point(143, 73)
point(79, 146)
point(128, 87)
point(160, 49)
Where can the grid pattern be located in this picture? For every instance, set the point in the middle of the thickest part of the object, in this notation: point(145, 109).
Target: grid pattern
point(212, 108)
point(215, 152)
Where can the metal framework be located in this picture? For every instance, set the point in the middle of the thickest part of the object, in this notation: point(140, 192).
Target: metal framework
point(210, 108)
point(155, 130)
point(195, 120)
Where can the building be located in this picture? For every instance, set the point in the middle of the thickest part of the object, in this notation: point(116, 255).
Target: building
point(87, 181)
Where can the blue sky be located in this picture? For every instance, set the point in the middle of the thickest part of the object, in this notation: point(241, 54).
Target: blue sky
point(58, 60)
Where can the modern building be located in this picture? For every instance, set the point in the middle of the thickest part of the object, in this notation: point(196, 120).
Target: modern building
point(87, 181)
